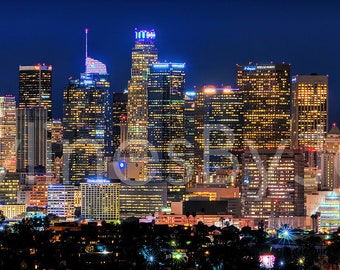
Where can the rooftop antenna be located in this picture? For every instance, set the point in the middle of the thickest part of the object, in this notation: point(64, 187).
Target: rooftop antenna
point(86, 31)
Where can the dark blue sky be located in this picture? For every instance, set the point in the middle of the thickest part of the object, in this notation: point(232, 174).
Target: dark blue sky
point(210, 36)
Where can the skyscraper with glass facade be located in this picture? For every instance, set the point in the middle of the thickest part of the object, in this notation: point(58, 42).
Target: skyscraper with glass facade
point(144, 54)
point(85, 120)
point(35, 87)
point(31, 139)
point(310, 115)
point(218, 131)
point(166, 122)
point(266, 95)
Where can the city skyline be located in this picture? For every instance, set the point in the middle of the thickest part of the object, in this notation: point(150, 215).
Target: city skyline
point(210, 39)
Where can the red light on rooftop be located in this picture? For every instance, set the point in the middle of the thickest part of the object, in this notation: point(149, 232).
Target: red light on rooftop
point(334, 124)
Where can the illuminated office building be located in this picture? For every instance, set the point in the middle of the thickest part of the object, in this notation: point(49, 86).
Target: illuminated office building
point(218, 132)
point(7, 133)
point(9, 186)
point(61, 200)
point(35, 87)
point(86, 123)
point(310, 115)
point(166, 122)
point(330, 160)
point(100, 199)
point(144, 54)
point(273, 183)
point(31, 138)
point(189, 129)
point(119, 117)
point(142, 200)
point(266, 95)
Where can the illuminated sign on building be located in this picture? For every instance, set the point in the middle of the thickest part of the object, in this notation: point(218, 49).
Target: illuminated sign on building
point(250, 68)
point(144, 34)
point(265, 67)
point(190, 93)
point(98, 181)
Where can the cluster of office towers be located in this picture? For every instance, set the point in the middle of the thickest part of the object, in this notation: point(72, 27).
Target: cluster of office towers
point(260, 136)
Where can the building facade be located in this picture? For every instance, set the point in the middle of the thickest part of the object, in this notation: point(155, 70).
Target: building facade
point(85, 124)
point(273, 183)
point(140, 200)
point(266, 95)
point(218, 131)
point(310, 115)
point(119, 119)
point(144, 54)
point(61, 200)
point(166, 122)
point(7, 133)
point(330, 160)
point(35, 87)
point(31, 139)
point(100, 199)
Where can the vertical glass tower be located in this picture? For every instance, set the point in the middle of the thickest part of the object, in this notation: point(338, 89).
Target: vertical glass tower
point(266, 93)
point(86, 121)
point(32, 139)
point(166, 122)
point(7, 133)
point(310, 115)
point(144, 54)
point(35, 87)
point(218, 133)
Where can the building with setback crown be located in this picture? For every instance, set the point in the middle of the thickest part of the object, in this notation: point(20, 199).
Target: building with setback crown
point(266, 95)
point(144, 54)
point(166, 122)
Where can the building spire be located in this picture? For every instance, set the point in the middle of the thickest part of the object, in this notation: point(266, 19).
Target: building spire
point(86, 31)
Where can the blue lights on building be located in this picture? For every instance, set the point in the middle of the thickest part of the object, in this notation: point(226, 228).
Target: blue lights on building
point(168, 66)
point(250, 68)
point(122, 164)
point(145, 34)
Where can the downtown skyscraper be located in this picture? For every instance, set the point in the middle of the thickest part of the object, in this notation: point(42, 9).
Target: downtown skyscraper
point(310, 115)
point(85, 123)
point(144, 54)
point(7, 133)
point(218, 132)
point(35, 87)
point(266, 95)
point(166, 122)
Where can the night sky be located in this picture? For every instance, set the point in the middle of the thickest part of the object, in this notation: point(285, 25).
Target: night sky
point(210, 36)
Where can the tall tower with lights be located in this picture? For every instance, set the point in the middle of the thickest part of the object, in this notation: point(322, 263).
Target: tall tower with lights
point(166, 122)
point(35, 87)
point(7, 133)
point(86, 120)
point(266, 94)
point(310, 115)
point(218, 133)
point(144, 54)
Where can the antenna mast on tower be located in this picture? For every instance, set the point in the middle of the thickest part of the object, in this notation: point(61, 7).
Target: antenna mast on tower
point(86, 31)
